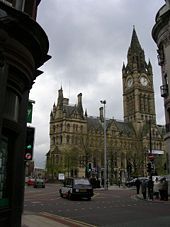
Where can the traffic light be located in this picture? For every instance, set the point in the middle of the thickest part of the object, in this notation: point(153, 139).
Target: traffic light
point(29, 143)
point(89, 167)
point(149, 167)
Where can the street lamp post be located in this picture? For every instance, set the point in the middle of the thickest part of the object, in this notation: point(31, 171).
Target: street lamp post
point(150, 138)
point(105, 158)
point(151, 158)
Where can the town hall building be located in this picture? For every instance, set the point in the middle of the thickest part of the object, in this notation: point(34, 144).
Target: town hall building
point(77, 140)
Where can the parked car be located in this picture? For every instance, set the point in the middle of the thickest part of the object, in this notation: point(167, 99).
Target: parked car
point(133, 181)
point(76, 188)
point(130, 183)
point(39, 183)
point(30, 182)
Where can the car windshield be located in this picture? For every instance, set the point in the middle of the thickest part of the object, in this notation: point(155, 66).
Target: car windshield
point(82, 181)
point(39, 180)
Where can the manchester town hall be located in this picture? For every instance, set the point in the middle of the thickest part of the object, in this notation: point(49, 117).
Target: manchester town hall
point(77, 140)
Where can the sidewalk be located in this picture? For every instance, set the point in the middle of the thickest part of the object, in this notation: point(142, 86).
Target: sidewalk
point(44, 219)
point(140, 196)
point(34, 220)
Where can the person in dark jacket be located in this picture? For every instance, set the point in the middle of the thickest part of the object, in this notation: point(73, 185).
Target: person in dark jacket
point(165, 189)
point(143, 187)
point(161, 189)
point(138, 183)
point(150, 188)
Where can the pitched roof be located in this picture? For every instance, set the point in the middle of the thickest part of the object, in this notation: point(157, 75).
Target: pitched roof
point(123, 127)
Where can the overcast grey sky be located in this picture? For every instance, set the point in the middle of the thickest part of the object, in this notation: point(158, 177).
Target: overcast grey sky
point(89, 40)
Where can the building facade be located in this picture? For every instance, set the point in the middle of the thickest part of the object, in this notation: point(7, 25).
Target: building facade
point(23, 49)
point(77, 140)
point(161, 35)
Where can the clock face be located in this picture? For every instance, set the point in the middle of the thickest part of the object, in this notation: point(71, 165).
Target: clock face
point(143, 80)
point(130, 82)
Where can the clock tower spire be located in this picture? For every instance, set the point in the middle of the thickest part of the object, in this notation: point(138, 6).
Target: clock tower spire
point(138, 91)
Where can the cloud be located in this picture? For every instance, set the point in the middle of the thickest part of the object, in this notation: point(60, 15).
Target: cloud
point(89, 41)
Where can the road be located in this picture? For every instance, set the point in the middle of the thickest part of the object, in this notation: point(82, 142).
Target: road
point(112, 208)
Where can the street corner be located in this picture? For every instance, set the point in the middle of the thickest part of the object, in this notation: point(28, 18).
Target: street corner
point(65, 222)
point(140, 197)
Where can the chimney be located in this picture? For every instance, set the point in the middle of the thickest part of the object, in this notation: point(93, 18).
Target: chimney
point(79, 105)
point(79, 99)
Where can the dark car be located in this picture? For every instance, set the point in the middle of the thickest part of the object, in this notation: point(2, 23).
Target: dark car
point(39, 183)
point(132, 182)
point(76, 188)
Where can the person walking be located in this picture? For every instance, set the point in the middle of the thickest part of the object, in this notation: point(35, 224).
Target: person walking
point(165, 189)
point(150, 188)
point(161, 189)
point(143, 187)
point(138, 183)
point(156, 188)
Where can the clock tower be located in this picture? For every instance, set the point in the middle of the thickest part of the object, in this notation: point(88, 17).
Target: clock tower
point(138, 92)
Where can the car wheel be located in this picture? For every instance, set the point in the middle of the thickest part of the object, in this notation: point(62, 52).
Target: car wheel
point(89, 198)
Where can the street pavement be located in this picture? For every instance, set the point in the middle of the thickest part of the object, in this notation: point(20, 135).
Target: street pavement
point(50, 220)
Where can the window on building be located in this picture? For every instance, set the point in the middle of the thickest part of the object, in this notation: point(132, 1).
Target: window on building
point(74, 127)
point(3, 172)
point(68, 127)
point(68, 139)
point(81, 128)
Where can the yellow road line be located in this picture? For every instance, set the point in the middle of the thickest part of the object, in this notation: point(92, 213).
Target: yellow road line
point(71, 221)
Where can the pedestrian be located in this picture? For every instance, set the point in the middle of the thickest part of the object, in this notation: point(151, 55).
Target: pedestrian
point(119, 182)
point(137, 183)
point(103, 182)
point(165, 189)
point(161, 189)
point(150, 188)
point(143, 187)
point(156, 188)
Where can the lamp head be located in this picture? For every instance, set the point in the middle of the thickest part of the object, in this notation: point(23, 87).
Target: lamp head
point(103, 101)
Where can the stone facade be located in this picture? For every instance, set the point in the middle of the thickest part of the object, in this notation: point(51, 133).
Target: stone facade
point(161, 35)
point(23, 50)
point(77, 140)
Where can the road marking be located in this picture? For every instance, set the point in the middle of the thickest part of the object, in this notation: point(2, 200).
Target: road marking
point(64, 219)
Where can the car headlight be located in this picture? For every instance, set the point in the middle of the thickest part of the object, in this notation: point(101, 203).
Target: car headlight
point(77, 190)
